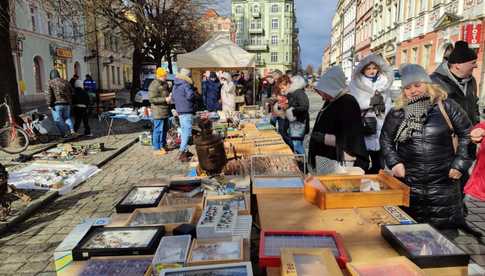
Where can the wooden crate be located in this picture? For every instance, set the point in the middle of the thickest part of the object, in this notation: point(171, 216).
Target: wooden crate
point(384, 265)
point(324, 262)
point(394, 193)
point(282, 185)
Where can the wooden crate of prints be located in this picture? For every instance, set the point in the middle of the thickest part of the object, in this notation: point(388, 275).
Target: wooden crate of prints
point(337, 192)
point(217, 222)
point(317, 261)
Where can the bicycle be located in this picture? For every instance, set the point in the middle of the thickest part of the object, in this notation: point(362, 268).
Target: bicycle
point(13, 138)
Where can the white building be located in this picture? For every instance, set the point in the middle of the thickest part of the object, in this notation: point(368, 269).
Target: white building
point(348, 43)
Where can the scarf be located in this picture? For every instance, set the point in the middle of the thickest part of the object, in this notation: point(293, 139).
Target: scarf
point(415, 115)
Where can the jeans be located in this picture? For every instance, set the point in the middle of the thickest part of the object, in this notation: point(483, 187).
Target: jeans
point(283, 126)
point(298, 147)
point(159, 135)
point(62, 116)
point(186, 127)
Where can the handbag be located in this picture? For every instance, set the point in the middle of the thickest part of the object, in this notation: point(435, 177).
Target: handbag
point(454, 137)
point(369, 124)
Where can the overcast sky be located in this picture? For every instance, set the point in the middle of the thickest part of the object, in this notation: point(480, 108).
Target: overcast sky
point(314, 18)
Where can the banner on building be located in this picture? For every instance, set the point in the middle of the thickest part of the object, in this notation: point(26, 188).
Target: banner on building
point(64, 52)
point(472, 34)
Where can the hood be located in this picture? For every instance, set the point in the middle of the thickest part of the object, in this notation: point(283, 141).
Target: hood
point(227, 76)
point(385, 70)
point(179, 79)
point(443, 69)
point(297, 83)
point(332, 82)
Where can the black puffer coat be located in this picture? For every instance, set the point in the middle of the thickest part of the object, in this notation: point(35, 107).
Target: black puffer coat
point(427, 158)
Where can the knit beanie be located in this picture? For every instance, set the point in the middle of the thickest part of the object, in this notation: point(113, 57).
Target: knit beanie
point(411, 73)
point(332, 82)
point(160, 72)
point(461, 53)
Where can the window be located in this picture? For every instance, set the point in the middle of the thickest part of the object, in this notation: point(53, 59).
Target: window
point(62, 33)
point(258, 56)
point(75, 31)
point(288, 8)
point(287, 57)
point(107, 41)
point(118, 75)
point(113, 81)
point(33, 17)
point(38, 67)
point(427, 53)
point(274, 8)
point(414, 57)
point(274, 39)
point(404, 56)
point(49, 23)
point(256, 8)
point(239, 9)
point(240, 25)
point(274, 57)
point(274, 23)
point(116, 42)
point(409, 13)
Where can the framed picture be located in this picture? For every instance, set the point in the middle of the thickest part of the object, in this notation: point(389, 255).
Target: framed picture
point(172, 252)
point(117, 241)
point(239, 201)
point(140, 197)
point(102, 267)
point(397, 265)
point(272, 241)
point(235, 269)
point(210, 252)
point(308, 262)
point(169, 217)
point(217, 221)
point(424, 245)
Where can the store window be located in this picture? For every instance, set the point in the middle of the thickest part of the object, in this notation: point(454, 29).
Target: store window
point(38, 74)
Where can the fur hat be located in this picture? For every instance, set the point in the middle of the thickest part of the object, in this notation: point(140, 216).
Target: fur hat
point(411, 73)
point(461, 53)
point(332, 82)
point(185, 72)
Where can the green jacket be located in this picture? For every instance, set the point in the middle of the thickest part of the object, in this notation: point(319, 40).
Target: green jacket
point(157, 92)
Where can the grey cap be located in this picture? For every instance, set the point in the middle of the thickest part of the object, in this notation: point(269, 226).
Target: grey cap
point(411, 73)
point(332, 82)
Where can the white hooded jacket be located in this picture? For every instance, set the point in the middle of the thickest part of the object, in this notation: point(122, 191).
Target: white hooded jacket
point(363, 89)
point(228, 93)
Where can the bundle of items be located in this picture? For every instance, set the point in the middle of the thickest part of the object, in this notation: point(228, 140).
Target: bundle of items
point(275, 165)
point(66, 152)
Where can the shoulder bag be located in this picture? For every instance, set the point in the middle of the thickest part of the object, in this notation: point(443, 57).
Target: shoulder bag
point(454, 138)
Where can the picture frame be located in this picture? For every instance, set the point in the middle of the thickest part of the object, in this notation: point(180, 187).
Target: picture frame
point(116, 266)
point(217, 221)
point(308, 262)
point(398, 265)
point(140, 197)
point(168, 217)
point(174, 200)
point(172, 252)
point(118, 241)
point(232, 269)
point(215, 251)
point(272, 241)
point(424, 245)
point(240, 201)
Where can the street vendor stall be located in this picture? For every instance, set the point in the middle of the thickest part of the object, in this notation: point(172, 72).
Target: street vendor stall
point(218, 53)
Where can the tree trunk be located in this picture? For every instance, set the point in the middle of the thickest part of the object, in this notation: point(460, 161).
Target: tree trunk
point(169, 60)
point(136, 67)
point(8, 81)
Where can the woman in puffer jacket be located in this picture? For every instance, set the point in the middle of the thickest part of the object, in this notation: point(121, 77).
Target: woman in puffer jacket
point(417, 144)
point(228, 93)
point(370, 84)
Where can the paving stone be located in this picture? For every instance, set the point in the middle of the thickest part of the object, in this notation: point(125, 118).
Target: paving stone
point(473, 249)
point(11, 268)
point(474, 218)
point(480, 224)
point(12, 248)
point(56, 238)
point(50, 267)
point(35, 248)
point(478, 203)
point(39, 239)
point(465, 239)
point(18, 257)
point(46, 274)
point(479, 259)
point(477, 210)
point(33, 267)
point(41, 257)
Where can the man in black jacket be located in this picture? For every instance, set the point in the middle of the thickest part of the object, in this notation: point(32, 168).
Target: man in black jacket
point(455, 76)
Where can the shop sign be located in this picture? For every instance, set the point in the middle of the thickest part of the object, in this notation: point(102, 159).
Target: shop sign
point(472, 34)
point(64, 52)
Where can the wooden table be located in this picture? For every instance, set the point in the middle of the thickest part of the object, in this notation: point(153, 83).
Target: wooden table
point(362, 239)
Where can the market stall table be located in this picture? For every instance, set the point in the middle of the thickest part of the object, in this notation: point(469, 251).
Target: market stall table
point(362, 238)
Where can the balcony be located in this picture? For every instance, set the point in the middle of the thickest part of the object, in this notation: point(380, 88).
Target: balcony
point(256, 14)
point(256, 30)
point(257, 47)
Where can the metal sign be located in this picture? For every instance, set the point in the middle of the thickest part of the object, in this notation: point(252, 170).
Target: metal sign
point(472, 34)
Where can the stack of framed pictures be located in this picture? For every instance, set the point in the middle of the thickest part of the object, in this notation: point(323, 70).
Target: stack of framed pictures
point(217, 221)
point(235, 269)
point(390, 266)
point(140, 197)
point(424, 245)
point(272, 241)
point(103, 267)
point(172, 252)
point(215, 251)
point(117, 241)
point(168, 217)
point(308, 262)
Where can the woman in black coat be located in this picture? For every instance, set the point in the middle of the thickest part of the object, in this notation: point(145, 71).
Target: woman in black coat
point(417, 144)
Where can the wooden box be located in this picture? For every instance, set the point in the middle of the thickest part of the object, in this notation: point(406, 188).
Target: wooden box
point(308, 262)
point(392, 192)
point(277, 185)
point(168, 217)
point(240, 269)
point(240, 201)
point(396, 265)
point(215, 252)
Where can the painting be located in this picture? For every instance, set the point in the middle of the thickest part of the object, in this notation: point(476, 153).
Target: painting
point(207, 252)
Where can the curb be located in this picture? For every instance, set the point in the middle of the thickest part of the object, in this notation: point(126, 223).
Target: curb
point(116, 153)
point(31, 208)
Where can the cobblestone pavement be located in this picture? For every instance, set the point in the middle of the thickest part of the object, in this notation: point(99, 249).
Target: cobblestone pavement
point(28, 248)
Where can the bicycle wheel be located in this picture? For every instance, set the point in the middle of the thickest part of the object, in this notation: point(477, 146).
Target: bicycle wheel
point(13, 140)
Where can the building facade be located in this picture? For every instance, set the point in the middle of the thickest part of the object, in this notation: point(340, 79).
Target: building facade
point(42, 40)
point(385, 17)
point(363, 29)
point(336, 37)
point(215, 23)
point(266, 28)
point(348, 40)
point(326, 58)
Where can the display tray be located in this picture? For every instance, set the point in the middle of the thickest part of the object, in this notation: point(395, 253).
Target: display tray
point(215, 251)
point(101, 267)
point(168, 217)
point(240, 201)
point(176, 200)
point(272, 241)
point(395, 266)
point(277, 184)
point(185, 185)
point(140, 197)
point(233, 269)
point(424, 245)
point(217, 221)
point(171, 252)
point(356, 191)
point(308, 262)
point(118, 241)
